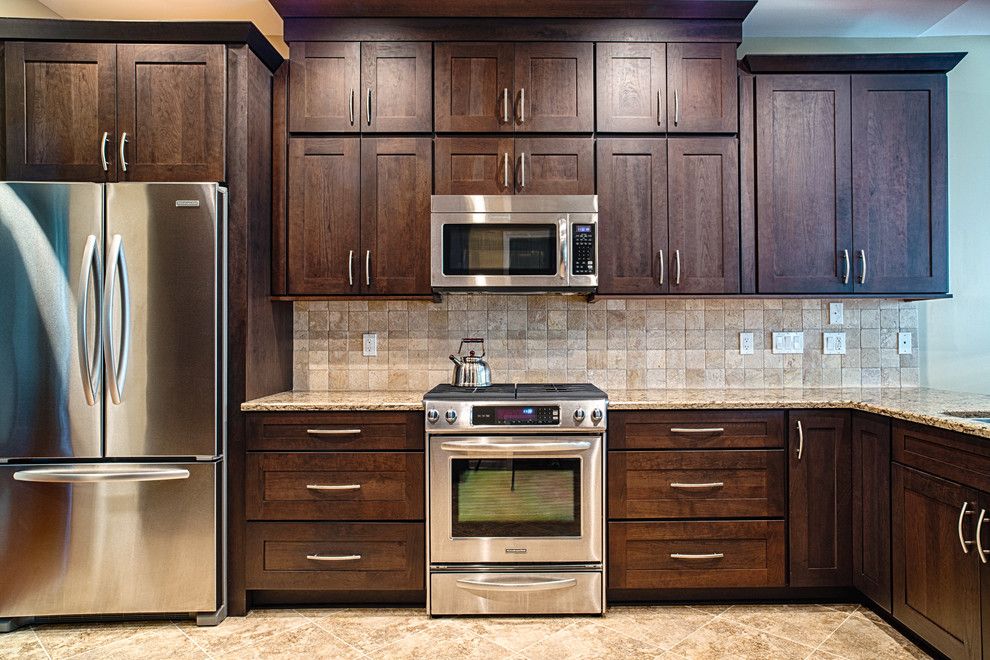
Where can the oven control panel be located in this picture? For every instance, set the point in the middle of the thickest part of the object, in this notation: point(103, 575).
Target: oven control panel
point(515, 415)
point(583, 240)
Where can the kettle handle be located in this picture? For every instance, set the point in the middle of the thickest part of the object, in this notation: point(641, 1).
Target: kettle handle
point(472, 340)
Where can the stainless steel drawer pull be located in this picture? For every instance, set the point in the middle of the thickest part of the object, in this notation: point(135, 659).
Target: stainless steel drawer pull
point(862, 260)
point(800, 449)
point(710, 555)
point(517, 584)
point(333, 431)
point(522, 105)
point(659, 107)
point(319, 557)
point(660, 254)
point(95, 475)
point(677, 267)
point(980, 552)
point(123, 158)
point(334, 487)
point(350, 268)
point(505, 105)
point(845, 260)
point(505, 170)
point(713, 484)
point(963, 512)
point(103, 150)
point(369, 106)
point(713, 429)
point(352, 108)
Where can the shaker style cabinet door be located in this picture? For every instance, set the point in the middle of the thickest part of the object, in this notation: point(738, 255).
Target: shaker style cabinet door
point(803, 184)
point(324, 87)
point(170, 112)
point(324, 216)
point(60, 100)
point(475, 166)
point(473, 87)
point(703, 215)
point(632, 215)
point(871, 507)
point(631, 85)
point(396, 184)
point(702, 89)
point(554, 87)
point(397, 87)
point(555, 166)
point(899, 174)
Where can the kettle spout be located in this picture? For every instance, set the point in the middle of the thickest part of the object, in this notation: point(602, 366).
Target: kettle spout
point(456, 359)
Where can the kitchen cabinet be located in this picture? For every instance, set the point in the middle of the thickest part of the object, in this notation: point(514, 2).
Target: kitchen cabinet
point(631, 86)
point(473, 87)
point(370, 87)
point(701, 88)
point(107, 112)
point(358, 215)
point(668, 218)
point(556, 87)
point(871, 499)
point(522, 166)
point(819, 506)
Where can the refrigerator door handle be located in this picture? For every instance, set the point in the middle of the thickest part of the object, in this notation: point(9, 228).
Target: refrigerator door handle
point(116, 265)
point(96, 475)
point(91, 367)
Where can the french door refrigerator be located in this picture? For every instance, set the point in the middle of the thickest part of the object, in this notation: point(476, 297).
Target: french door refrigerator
point(112, 400)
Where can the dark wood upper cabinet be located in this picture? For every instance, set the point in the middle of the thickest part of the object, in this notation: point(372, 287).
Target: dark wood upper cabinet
point(632, 216)
point(803, 184)
point(819, 513)
point(396, 183)
point(324, 87)
point(473, 87)
point(900, 211)
point(555, 87)
point(555, 166)
point(871, 507)
point(324, 216)
point(170, 104)
point(60, 99)
point(936, 581)
point(703, 215)
point(397, 87)
point(702, 90)
point(631, 86)
point(475, 166)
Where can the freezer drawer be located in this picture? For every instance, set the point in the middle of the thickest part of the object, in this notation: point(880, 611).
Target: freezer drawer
point(490, 592)
point(108, 539)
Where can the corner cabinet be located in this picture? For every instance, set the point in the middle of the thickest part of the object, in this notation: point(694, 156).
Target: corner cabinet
point(871, 508)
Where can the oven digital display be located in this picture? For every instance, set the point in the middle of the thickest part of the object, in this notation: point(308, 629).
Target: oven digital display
point(513, 415)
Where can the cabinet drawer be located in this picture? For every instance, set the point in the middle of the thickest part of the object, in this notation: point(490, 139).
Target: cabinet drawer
point(956, 456)
point(344, 431)
point(696, 484)
point(336, 556)
point(675, 555)
point(335, 486)
point(696, 429)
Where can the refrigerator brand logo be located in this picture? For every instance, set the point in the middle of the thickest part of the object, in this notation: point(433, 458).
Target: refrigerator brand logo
point(180, 203)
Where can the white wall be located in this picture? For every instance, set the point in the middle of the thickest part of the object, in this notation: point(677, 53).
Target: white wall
point(25, 9)
point(955, 334)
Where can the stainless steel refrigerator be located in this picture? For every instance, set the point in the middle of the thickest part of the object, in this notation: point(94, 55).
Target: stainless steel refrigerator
point(112, 400)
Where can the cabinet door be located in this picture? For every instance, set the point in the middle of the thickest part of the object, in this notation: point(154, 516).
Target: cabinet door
point(871, 507)
point(804, 213)
point(703, 215)
point(555, 84)
point(324, 215)
point(555, 166)
point(170, 102)
point(473, 87)
point(936, 577)
point(397, 83)
point(632, 215)
point(396, 184)
point(631, 86)
point(324, 87)
point(60, 100)
point(819, 513)
point(701, 88)
point(474, 166)
point(900, 207)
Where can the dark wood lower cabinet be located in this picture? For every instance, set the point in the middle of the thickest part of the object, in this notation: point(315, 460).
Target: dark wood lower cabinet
point(871, 507)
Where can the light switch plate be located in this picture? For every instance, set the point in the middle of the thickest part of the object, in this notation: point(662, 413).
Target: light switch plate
point(835, 314)
point(788, 342)
point(834, 343)
point(746, 343)
point(904, 343)
point(370, 345)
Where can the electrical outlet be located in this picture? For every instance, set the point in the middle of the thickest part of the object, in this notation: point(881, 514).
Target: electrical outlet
point(835, 314)
point(746, 343)
point(904, 343)
point(834, 343)
point(370, 346)
point(788, 342)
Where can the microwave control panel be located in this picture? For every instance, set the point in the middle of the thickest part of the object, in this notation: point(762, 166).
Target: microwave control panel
point(583, 240)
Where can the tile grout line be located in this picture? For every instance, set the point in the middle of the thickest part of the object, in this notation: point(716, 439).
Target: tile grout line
point(316, 624)
point(782, 637)
point(829, 636)
point(712, 618)
point(195, 643)
point(37, 638)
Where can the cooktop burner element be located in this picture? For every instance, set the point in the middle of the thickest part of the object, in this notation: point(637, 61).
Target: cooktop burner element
point(517, 391)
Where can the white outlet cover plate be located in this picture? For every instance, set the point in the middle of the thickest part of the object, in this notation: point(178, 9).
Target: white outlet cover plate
point(904, 343)
point(746, 343)
point(370, 345)
point(788, 342)
point(835, 313)
point(834, 343)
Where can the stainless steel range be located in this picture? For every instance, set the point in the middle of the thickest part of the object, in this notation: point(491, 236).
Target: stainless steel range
point(516, 499)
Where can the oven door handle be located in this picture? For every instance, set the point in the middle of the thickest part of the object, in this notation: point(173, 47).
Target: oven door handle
point(516, 584)
point(473, 446)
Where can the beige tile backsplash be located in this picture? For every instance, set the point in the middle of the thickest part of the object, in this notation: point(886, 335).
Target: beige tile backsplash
point(629, 344)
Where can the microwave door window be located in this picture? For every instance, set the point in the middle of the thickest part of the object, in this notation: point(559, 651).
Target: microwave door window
point(500, 249)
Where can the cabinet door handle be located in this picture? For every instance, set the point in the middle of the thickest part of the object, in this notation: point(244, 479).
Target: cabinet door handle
point(103, 149)
point(319, 557)
point(123, 159)
point(862, 259)
point(369, 106)
point(712, 429)
point(800, 449)
point(350, 270)
point(711, 485)
point(845, 260)
point(505, 171)
point(334, 431)
point(660, 255)
point(352, 107)
point(963, 512)
point(333, 487)
point(980, 552)
point(505, 105)
point(677, 267)
point(659, 107)
point(522, 105)
point(522, 170)
point(677, 109)
point(708, 555)
point(367, 268)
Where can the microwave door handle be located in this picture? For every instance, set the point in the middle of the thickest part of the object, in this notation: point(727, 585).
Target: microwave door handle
point(563, 249)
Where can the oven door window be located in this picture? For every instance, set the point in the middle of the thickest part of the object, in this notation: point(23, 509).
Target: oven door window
point(521, 497)
point(500, 249)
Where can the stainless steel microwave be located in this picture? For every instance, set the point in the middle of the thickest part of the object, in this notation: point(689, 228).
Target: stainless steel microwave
point(523, 243)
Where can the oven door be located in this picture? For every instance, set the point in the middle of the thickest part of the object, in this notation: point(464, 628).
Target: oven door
point(516, 499)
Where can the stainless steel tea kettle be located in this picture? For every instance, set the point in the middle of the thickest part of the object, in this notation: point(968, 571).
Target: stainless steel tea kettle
point(471, 370)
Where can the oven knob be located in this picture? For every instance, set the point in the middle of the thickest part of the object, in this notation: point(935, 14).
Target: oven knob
point(432, 415)
point(579, 415)
point(451, 416)
point(596, 415)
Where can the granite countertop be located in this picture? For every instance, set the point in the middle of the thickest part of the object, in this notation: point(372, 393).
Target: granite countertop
point(920, 405)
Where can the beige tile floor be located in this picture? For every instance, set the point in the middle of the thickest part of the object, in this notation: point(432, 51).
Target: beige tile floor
point(674, 632)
